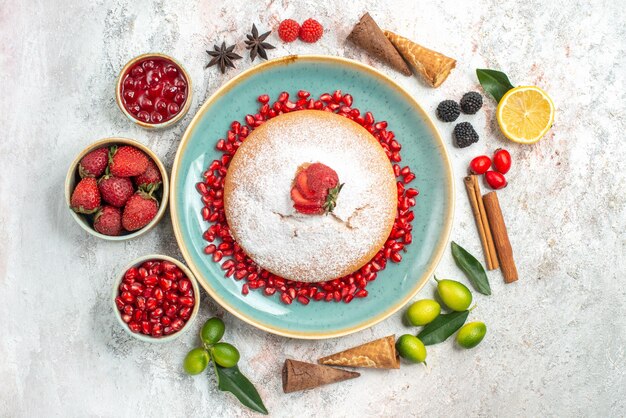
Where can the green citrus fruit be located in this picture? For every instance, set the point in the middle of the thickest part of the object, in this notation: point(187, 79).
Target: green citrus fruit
point(212, 331)
point(411, 348)
point(196, 361)
point(471, 334)
point(423, 312)
point(455, 295)
point(224, 354)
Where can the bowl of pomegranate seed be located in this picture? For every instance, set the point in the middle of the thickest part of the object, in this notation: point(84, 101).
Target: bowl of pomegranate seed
point(117, 189)
point(156, 298)
point(153, 90)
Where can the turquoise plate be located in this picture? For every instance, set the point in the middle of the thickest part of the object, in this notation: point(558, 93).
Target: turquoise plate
point(422, 149)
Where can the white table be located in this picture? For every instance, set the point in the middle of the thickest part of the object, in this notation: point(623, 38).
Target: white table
point(555, 345)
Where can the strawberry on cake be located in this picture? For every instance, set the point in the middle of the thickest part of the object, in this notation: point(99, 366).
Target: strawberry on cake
point(310, 196)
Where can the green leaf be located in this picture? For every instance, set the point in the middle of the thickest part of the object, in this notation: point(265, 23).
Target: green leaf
point(494, 82)
point(472, 268)
point(232, 380)
point(442, 327)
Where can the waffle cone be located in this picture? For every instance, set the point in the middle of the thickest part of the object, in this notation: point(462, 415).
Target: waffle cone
point(378, 354)
point(298, 375)
point(431, 65)
point(367, 35)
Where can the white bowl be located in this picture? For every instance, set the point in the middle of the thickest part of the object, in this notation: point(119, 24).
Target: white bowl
point(70, 183)
point(194, 312)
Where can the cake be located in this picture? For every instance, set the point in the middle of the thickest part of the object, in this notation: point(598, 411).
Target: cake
point(310, 196)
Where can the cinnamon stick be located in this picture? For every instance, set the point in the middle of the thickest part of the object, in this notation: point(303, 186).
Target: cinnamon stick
point(500, 236)
point(298, 375)
point(480, 217)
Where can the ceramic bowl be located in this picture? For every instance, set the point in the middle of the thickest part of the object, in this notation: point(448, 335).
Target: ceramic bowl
point(120, 103)
point(194, 284)
point(72, 179)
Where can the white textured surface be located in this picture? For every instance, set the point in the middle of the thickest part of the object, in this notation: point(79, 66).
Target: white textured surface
point(555, 345)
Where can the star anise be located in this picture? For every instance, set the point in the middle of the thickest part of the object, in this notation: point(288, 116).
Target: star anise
point(256, 45)
point(223, 57)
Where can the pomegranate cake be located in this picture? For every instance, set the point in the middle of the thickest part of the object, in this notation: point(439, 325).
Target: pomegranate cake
point(310, 196)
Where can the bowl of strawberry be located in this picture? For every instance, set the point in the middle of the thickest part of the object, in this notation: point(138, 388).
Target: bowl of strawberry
point(117, 189)
point(156, 298)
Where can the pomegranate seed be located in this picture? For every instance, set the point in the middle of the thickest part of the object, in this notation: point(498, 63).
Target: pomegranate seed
point(264, 98)
point(286, 299)
point(186, 301)
point(269, 291)
point(244, 289)
point(303, 300)
point(119, 303)
point(409, 178)
point(217, 256)
point(126, 318)
point(134, 327)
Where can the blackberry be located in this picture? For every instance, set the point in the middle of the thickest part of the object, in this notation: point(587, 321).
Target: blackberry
point(464, 135)
point(471, 102)
point(448, 111)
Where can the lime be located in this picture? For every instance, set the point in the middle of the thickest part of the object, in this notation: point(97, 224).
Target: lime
point(212, 331)
point(455, 295)
point(471, 334)
point(224, 354)
point(196, 361)
point(423, 312)
point(411, 348)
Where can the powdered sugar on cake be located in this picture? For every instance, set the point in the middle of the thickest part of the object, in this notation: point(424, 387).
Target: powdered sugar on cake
point(302, 247)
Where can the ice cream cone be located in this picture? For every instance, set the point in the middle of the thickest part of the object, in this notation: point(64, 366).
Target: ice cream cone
point(431, 65)
point(379, 354)
point(298, 375)
point(367, 35)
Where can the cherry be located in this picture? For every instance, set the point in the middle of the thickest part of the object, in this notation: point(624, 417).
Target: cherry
point(502, 160)
point(495, 180)
point(154, 90)
point(179, 98)
point(480, 164)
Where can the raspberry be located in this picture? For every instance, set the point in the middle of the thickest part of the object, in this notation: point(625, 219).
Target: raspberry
point(311, 31)
point(288, 30)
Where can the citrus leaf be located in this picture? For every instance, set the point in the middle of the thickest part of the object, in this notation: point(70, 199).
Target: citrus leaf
point(472, 268)
point(442, 327)
point(232, 380)
point(494, 82)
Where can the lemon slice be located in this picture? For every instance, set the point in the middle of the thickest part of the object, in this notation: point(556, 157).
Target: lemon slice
point(525, 114)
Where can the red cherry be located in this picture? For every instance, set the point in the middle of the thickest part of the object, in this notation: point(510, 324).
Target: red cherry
point(502, 160)
point(145, 103)
point(179, 98)
point(144, 116)
point(480, 164)
point(495, 180)
point(173, 108)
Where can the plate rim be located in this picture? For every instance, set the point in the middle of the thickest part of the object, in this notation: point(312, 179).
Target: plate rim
point(439, 249)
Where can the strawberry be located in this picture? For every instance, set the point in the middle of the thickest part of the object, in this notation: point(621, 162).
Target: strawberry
point(108, 221)
point(115, 190)
point(321, 178)
point(151, 179)
point(315, 189)
point(140, 209)
point(94, 163)
point(302, 183)
point(85, 197)
point(127, 161)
